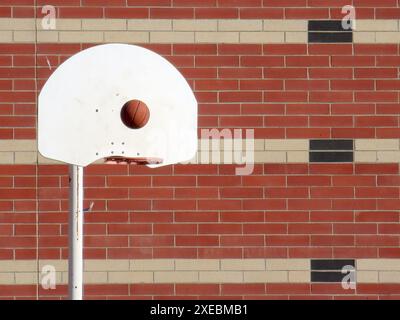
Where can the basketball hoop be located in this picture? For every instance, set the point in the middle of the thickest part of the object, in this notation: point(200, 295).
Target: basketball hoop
point(134, 161)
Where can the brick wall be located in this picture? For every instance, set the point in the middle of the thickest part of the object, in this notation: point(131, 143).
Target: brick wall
point(325, 191)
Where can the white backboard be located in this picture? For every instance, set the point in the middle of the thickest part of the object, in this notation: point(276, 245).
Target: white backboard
point(80, 104)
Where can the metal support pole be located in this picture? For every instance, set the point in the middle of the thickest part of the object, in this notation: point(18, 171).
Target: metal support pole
point(75, 230)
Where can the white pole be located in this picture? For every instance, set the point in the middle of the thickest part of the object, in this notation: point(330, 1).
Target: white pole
point(75, 229)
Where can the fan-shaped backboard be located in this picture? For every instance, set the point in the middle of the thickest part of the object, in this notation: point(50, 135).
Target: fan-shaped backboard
point(80, 104)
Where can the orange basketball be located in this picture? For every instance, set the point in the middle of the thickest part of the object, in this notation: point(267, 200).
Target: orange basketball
point(135, 114)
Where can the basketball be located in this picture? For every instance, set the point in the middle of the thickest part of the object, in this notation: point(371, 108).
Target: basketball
point(135, 114)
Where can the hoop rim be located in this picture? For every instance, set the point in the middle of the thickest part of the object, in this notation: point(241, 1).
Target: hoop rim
point(134, 161)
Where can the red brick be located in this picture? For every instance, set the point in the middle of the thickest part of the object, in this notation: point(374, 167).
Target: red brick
point(286, 216)
point(186, 253)
point(306, 13)
point(261, 13)
point(355, 252)
point(171, 13)
point(266, 204)
point(285, 73)
point(305, 133)
point(376, 168)
point(174, 228)
point(308, 181)
point(196, 289)
point(220, 253)
point(287, 240)
point(222, 228)
point(198, 241)
point(331, 240)
point(288, 169)
point(151, 241)
point(196, 216)
point(174, 204)
point(261, 84)
point(216, 13)
point(331, 192)
point(333, 216)
point(310, 252)
point(333, 73)
point(286, 288)
point(241, 241)
point(228, 49)
point(129, 228)
point(307, 85)
point(266, 228)
point(150, 289)
point(229, 289)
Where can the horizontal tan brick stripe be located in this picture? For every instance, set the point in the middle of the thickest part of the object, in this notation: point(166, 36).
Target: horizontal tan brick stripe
point(194, 271)
point(165, 271)
point(265, 151)
point(183, 31)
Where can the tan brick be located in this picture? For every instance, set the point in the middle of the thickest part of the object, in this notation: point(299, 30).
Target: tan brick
point(6, 157)
point(262, 37)
point(152, 265)
point(13, 24)
point(297, 156)
point(104, 24)
point(367, 277)
point(364, 37)
point(285, 25)
point(378, 264)
point(176, 277)
point(130, 277)
point(48, 36)
point(388, 156)
point(106, 265)
point(95, 277)
point(221, 277)
point(296, 37)
point(64, 278)
point(240, 25)
point(299, 276)
point(18, 145)
point(389, 277)
point(7, 278)
point(194, 25)
point(26, 277)
point(288, 264)
point(171, 37)
point(44, 160)
point(6, 36)
point(59, 265)
point(24, 36)
point(270, 156)
point(127, 37)
point(62, 25)
point(150, 25)
point(265, 276)
point(365, 156)
point(25, 157)
point(81, 36)
point(242, 264)
point(197, 265)
point(376, 25)
point(387, 37)
point(17, 265)
point(287, 144)
point(217, 37)
point(377, 144)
